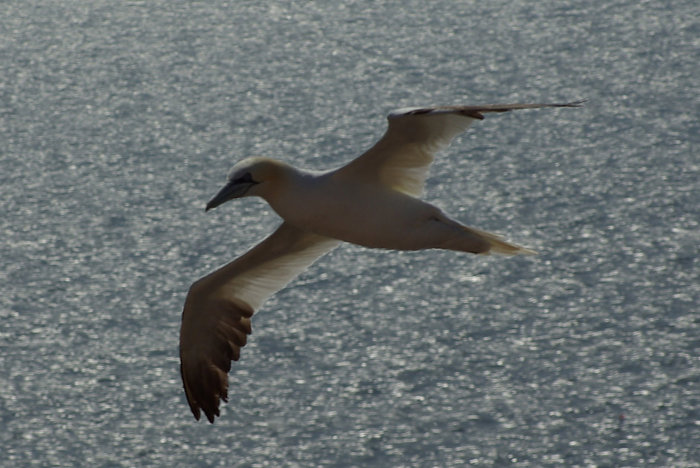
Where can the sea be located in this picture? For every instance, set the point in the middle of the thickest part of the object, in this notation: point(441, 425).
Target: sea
point(119, 120)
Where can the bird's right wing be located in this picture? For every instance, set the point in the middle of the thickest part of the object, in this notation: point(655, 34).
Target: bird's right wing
point(218, 309)
point(402, 157)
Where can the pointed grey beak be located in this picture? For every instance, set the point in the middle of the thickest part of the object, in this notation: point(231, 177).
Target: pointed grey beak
point(233, 189)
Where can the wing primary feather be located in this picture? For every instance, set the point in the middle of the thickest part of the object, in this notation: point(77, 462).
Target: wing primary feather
point(475, 110)
point(216, 319)
point(402, 157)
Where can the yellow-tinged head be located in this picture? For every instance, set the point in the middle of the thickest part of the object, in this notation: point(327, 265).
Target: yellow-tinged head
point(250, 177)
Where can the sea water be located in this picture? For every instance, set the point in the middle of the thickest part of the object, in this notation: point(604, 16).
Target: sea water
point(119, 120)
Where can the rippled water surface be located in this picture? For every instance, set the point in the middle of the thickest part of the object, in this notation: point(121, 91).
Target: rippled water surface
point(118, 120)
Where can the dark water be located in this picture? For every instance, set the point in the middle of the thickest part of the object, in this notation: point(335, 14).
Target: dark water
point(119, 119)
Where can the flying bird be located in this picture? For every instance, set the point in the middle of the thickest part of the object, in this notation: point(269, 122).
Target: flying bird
point(371, 201)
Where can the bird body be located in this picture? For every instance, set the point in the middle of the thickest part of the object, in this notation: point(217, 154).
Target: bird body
point(374, 216)
point(372, 201)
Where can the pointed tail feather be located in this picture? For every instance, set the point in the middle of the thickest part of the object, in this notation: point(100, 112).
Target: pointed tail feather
point(498, 245)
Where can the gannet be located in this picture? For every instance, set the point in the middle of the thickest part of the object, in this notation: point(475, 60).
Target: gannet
point(372, 201)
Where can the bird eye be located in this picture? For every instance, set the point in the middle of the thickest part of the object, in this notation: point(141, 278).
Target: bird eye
point(244, 179)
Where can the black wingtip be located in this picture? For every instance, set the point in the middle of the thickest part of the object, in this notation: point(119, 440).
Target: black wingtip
point(578, 103)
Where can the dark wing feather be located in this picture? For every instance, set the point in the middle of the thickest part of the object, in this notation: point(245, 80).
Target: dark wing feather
point(402, 157)
point(216, 319)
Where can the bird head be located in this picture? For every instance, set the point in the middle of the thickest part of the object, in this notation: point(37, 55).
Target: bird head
point(247, 178)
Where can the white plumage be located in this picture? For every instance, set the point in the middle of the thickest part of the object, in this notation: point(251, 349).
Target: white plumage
point(372, 201)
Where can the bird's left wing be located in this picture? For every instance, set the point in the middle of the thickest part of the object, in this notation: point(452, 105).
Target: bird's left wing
point(218, 309)
point(402, 157)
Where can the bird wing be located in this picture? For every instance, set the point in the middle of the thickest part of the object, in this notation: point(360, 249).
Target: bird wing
point(219, 306)
point(402, 157)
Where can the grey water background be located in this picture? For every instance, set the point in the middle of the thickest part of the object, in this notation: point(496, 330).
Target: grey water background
point(118, 120)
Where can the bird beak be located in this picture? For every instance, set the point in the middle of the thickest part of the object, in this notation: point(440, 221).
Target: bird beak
point(234, 189)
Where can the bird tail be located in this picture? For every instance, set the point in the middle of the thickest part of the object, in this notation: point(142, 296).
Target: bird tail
point(496, 244)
